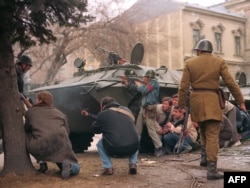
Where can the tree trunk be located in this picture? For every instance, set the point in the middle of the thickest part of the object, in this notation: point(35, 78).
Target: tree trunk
point(16, 158)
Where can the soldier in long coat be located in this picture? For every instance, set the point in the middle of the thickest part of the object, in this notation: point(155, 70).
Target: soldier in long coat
point(203, 73)
point(47, 135)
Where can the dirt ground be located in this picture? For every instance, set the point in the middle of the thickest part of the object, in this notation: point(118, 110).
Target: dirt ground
point(166, 171)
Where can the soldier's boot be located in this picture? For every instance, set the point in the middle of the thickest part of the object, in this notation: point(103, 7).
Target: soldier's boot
point(203, 161)
point(212, 173)
point(167, 150)
point(43, 167)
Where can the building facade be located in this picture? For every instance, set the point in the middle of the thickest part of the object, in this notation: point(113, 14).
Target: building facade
point(170, 36)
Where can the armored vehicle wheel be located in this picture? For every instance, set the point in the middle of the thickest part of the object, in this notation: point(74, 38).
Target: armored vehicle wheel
point(81, 141)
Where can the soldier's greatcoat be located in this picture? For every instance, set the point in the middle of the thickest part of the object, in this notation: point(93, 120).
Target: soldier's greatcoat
point(47, 130)
point(203, 72)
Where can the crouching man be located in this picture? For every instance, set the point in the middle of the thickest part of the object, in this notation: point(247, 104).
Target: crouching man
point(119, 136)
point(47, 136)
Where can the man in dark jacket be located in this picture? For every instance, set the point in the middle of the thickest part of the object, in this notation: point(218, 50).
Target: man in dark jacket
point(119, 136)
point(47, 136)
point(23, 65)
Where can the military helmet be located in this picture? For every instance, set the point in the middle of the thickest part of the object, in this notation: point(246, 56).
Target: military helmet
point(204, 45)
point(150, 73)
point(24, 59)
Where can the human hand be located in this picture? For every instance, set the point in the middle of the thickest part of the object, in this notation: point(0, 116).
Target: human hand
point(243, 107)
point(124, 80)
point(170, 127)
point(84, 112)
point(195, 124)
point(165, 129)
point(137, 83)
point(162, 131)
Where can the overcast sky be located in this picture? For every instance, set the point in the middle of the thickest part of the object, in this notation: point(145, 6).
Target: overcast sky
point(200, 2)
point(115, 7)
point(204, 3)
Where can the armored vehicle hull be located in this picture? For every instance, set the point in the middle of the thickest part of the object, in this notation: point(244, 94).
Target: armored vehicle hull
point(89, 87)
point(86, 89)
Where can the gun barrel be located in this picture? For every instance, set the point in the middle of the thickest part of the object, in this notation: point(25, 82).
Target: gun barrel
point(103, 50)
point(137, 80)
point(180, 142)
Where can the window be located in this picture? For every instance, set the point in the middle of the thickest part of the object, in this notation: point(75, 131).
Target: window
point(238, 35)
point(196, 36)
point(237, 45)
point(197, 29)
point(218, 33)
point(218, 42)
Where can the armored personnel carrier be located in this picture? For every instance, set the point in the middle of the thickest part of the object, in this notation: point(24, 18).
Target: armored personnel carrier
point(87, 88)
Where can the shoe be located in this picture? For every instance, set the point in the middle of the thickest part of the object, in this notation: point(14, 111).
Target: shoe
point(196, 146)
point(132, 168)
point(167, 150)
point(212, 173)
point(159, 152)
point(43, 167)
point(65, 169)
point(226, 144)
point(187, 150)
point(108, 171)
point(203, 161)
point(238, 143)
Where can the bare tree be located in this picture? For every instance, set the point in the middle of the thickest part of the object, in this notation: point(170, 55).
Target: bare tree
point(114, 33)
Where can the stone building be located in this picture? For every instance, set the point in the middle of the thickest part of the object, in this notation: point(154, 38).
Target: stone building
point(171, 29)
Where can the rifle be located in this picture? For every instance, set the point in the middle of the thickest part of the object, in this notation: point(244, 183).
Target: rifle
point(112, 56)
point(170, 114)
point(131, 79)
point(179, 145)
point(103, 50)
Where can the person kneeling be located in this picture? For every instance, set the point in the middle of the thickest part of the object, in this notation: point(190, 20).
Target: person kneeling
point(119, 136)
point(47, 136)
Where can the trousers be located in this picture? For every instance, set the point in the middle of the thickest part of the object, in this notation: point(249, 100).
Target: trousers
point(106, 159)
point(232, 117)
point(150, 124)
point(209, 135)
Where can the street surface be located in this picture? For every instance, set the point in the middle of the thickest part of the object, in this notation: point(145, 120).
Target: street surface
point(167, 171)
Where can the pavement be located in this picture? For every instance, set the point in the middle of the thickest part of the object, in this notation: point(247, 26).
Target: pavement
point(91, 148)
point(230, 159)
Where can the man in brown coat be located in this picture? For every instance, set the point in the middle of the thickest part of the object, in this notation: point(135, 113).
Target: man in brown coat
point(47, 131)
point(202, 73)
